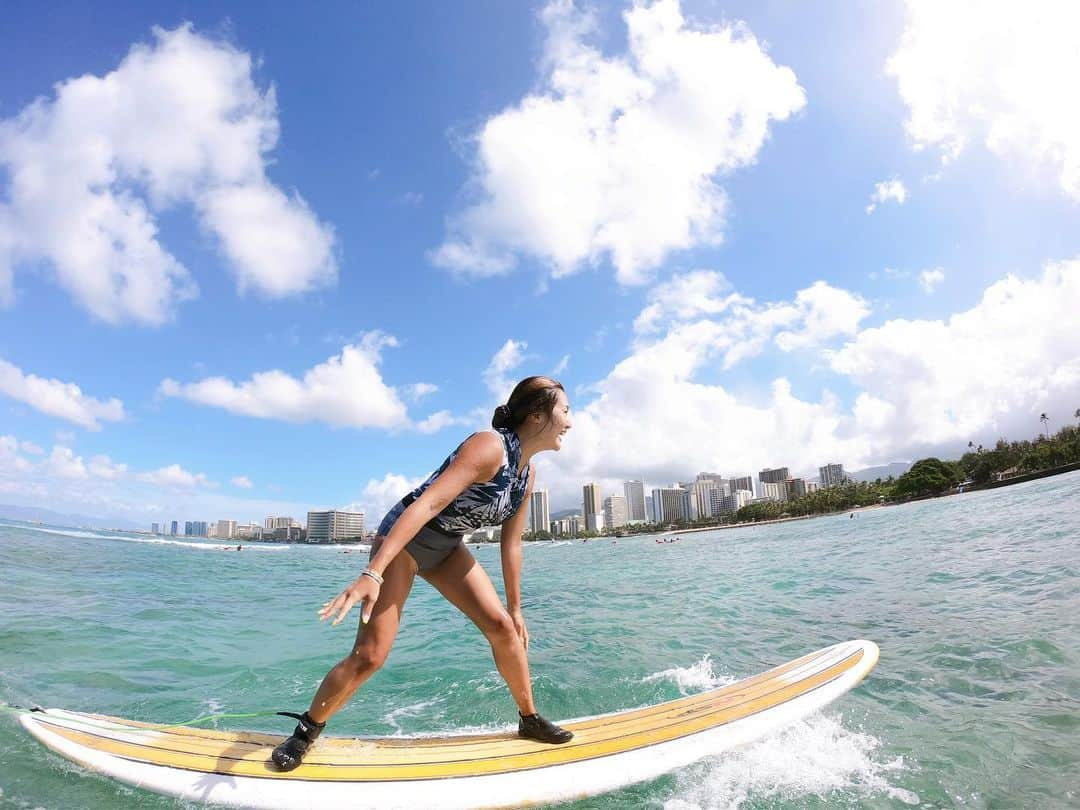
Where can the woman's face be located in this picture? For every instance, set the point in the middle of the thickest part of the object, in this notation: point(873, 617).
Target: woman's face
point(560, 421)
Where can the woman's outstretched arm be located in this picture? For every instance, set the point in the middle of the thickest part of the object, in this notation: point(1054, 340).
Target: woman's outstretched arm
point(510, 548)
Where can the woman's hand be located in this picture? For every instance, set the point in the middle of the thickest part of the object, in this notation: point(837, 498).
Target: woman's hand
point(519, 625)
point(363, 591)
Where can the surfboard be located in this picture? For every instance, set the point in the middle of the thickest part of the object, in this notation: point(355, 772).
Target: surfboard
point(460, 771)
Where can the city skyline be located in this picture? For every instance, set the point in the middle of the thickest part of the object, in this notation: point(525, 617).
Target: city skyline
point(538, 511)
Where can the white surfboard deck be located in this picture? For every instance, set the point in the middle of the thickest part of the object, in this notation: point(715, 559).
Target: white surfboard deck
point(455, 772)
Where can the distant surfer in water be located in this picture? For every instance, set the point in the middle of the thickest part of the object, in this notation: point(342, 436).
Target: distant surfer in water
point(486, 481)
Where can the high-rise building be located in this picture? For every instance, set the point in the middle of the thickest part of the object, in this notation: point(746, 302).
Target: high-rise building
point(187, 528)
point(225, 529)
point(670, 504)
point(274, 522)
point(635, 501)
point(714, 477)
point(173, 527)
point(539, 514)
point(716, 502)
point(248, 531)
point(287, 534)
point(592, 508)
point(737, 500)
point(332, 525)
point(703, 493)
point(199, 528)
point(777, 475)
point(796, 488)
point(774, 492)
point(831, 475)
point(154, 528)
point(614, 512)
point(745, 482)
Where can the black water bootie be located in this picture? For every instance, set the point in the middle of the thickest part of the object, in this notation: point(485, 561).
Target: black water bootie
point(290, 753)
point(535, 727)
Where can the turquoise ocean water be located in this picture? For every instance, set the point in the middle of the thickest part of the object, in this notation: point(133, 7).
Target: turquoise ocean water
point(974, 601)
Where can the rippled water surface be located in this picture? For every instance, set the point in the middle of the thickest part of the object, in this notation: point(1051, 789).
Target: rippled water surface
point(974, 601)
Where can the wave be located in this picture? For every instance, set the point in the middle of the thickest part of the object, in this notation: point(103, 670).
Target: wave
point(354, 548)
point(814, 757)
point(694, 678)
point(80, 533)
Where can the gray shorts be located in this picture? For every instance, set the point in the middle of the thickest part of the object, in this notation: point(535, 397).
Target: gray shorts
point(428, 547)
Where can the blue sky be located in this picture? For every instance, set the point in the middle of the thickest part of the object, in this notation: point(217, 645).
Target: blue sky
point(259, 262)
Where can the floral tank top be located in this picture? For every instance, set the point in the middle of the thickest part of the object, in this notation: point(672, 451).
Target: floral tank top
point(484, 504)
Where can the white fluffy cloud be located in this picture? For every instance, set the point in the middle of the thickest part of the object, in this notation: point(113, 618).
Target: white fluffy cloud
point(56, 398)
point(686, 297)
point(175, 476)
point(998, 71)
point(920, 386)
point(887, 190)
point(437, 421)
point(823, 312)
point(9, 455)
point(987, 371)
point(931, 278)
point(179, 122)
point(103, 467)
point(379, 495)
point(63, 463)
point(703, 316)
point(418, 391)
point(345, 391)
point(64, 481)
point(619, 156)
point(497, 376)
point(242, 481)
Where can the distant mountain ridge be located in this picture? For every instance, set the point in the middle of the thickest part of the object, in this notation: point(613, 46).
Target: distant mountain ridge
point(895, 469)
point(37, 513)
point(565, 513)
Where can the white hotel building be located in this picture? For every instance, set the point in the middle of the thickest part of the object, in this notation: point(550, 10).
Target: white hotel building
point(635, 501)
point(334, 525)
point(539, 513)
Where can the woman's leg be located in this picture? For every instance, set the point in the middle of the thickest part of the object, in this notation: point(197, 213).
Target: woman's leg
point(373, 641)
point(467, 586)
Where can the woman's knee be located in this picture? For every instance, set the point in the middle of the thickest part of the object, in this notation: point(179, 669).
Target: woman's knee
point(366, 659)
point(499, 628)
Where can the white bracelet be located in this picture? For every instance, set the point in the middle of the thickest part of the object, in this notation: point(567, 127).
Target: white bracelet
point(369, 573)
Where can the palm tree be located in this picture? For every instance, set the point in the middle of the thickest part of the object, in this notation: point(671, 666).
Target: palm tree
point(1046, 424)
point(1076, 415)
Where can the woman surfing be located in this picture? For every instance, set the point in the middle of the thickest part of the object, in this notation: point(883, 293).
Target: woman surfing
point(486, 481)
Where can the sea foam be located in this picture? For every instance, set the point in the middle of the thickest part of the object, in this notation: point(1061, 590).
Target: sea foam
point(157, 541)
point(694, 678)
point(817, 756)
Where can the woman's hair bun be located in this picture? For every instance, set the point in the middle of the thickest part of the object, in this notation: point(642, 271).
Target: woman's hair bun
point(501, 417)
